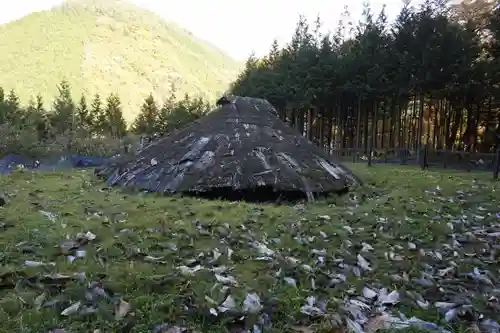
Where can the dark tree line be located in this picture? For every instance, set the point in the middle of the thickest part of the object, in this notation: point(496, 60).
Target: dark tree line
point(173, 114)
point(96, 121)
point(430, 78)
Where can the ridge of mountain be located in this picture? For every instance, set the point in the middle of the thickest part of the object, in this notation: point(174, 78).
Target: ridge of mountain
point(109, 47)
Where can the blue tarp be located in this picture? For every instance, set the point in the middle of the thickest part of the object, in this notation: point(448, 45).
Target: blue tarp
point(11, 161)
point(79, 161)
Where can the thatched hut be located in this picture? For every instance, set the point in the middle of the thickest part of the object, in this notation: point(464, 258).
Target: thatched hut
point(241, 150)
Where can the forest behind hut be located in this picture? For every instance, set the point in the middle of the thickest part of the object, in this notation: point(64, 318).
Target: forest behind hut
point(430, 77)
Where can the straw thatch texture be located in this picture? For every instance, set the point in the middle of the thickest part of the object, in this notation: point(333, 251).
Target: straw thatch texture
point(239, 146)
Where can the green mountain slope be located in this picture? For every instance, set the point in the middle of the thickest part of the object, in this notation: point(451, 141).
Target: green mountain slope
point(109, 46)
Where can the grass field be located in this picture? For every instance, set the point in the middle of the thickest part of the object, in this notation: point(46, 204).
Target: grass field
point(83, 258)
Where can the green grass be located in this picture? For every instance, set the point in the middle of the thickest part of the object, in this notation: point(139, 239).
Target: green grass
point(109, 47)
point(142, 240)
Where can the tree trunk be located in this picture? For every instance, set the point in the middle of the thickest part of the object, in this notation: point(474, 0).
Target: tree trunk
point(293, 118)
point(300, 121)
point(329, 132)
point(384, 121)
point(366, 129)
point(412, 131)
point(456, 115)
point(309, 123)
point(373, 131)
point(358, 124)
point(322, 128)
point(420, 120)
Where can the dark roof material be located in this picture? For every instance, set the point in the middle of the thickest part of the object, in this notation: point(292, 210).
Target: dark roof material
point(240, 146)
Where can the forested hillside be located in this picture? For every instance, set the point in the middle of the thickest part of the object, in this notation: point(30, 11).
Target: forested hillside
point(109, 46)
point(432, 77)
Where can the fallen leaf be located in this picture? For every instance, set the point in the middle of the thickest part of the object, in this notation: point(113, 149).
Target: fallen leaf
point(39, 300)
point(303, 329)
point(375, 324)
point(71, 309)
point(122, 309)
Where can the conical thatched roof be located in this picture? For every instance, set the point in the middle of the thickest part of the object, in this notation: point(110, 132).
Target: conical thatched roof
point(239, 147)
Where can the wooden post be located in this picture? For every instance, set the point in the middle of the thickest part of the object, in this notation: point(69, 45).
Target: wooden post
point(69, 144)
point(420, 120)
point(373, 131)
point(425, 156)
point(496, 165)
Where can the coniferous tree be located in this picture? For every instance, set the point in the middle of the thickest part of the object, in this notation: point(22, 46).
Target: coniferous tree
point(83, 119)
point(114, 117)
point(97, 115)
point(147, 120)
point(429, 78)
point(179, 114)
point(63, 114)
point(42, 122)
point(12, 109)
point(39, 104)
point(35, 117)
point(3, 110)
point(165, 113)
point(29, 112)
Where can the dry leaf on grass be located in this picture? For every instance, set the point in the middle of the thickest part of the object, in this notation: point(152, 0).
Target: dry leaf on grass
point(303, 329)
point(71, 309)
point(122, 309)
point(375, 324)
point(39, 300)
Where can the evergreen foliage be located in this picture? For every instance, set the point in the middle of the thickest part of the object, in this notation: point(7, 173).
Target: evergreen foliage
point(431, 77)
point(109, 46)
point(98, 128)
point(147, 120)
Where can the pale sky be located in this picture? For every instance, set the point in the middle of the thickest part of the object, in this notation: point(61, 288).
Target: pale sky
point(243, 28)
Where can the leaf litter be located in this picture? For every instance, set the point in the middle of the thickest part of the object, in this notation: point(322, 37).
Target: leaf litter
point(387, 257)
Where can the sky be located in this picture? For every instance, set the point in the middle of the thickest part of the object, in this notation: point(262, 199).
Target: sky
point(243, 29)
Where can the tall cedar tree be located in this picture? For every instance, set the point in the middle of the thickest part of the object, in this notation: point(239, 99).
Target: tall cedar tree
point(3, 110)
point(42, 121)
point(427, 79)
point(147, 120)
point(83, 119)
point(12, 109)
point(63, 113)
point(164, 116)
point(114, 117)
point(177, 114)
point(98, 115)
point(430, 78)
point(35, 117)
